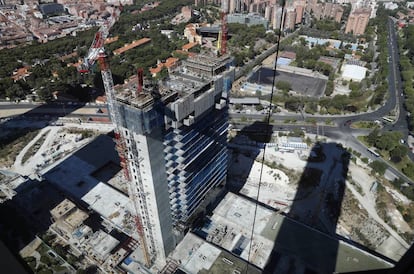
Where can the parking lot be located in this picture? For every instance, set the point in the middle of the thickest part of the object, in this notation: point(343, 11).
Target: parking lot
point(304, 85)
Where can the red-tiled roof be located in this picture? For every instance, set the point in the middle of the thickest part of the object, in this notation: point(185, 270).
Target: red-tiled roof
point(171, 61)
point(132, 45)
point(188, 46)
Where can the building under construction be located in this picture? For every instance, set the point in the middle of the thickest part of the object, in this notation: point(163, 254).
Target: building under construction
point(172, 142)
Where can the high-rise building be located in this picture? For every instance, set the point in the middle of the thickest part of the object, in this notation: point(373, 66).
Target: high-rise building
point(278, 18)
point(358, 21)
point(206, 2)
point(235, 6)
point(299, 13)
point(325, 10)
point(174, 139)
point(290, 19)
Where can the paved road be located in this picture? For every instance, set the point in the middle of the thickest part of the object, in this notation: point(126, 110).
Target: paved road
point(341, 132)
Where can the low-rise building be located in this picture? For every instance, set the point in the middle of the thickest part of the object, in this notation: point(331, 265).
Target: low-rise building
point(190, 32)
point(67, 217)
point(353, 72)
point(291, 143)
point(170, 63)
point(132, 45)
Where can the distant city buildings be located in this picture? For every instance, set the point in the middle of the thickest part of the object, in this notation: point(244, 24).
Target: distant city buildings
point(293, 12)
point(390, 6)
point(249, 19)
point(358, 21)
point(22, 22)
point(325, 10)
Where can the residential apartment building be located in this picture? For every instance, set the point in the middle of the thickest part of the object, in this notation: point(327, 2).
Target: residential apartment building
point(174, 138)
point(290, 19)
point(326, 10)
point(249, 19)
point(358, 21)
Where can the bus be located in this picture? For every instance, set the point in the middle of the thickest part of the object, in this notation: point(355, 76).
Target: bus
point(386, 119)
point(373, 152)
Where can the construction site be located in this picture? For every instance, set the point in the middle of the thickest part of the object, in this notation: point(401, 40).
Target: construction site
point(95, 215)
point(168, 188)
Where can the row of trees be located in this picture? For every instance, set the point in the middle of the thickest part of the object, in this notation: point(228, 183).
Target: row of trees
point(381, 76)
point(407, 70)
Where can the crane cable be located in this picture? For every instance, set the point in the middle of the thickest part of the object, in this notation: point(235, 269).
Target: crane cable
point(267, 132)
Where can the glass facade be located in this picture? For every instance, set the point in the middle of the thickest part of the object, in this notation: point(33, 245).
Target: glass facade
point(176, 151)
point(196, 160)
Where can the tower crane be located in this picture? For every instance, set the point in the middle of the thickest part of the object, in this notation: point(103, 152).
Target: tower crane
point(97, 52)
point(121, 148)
point(98, 42)
point(222, 37)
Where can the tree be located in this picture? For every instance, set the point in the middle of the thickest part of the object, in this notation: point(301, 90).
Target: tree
point(61, 250)
point(15, 91)
point(372, 137)
point(162, 74)
point(329, 88)
point(339, 102)
point(354, 86)
point(239, 59)
point(293, 103)
point(271, 38)
point(378, 167)
point(259, 107)
point(46, 260)
point(238, 106)
point(409, 170)
point(398, 153)
point(389, 140)
point(283, 85)
point(311, 107)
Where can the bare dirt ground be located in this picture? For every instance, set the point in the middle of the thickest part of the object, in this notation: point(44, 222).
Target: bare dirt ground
point(40, 149)
point(359, 219)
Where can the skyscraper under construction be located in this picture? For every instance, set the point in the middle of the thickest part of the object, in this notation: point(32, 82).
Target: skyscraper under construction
point(172, 142)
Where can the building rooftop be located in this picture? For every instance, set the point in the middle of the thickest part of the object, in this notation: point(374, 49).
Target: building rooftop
point(134, 44)
point(230, 228)
point(196, 254)
point(109, 203)
point(188, 46)
point(62, 209)
point(171, 61)
point(102, 244)
point(76, 218)
point(245, 101)
point(193, 77)
point(353, 72)
point(110, 40)
point(288, 54)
